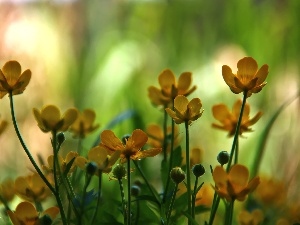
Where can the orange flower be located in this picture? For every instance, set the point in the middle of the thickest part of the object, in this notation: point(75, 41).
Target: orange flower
point(32, 188)
point(100, 156)
point(205, 196)
point(229, 119)
point(62, 163)
point(169, 88)
point(7, 190)
point(234, 185)
point(50, 119)
point(185, 111)
point(248, 78)
point(26, 214)
point(84, 124)
point(132, 147)
point(12, 80)
point(256, 217)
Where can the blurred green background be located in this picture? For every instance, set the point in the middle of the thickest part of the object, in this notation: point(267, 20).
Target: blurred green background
point(105, 54)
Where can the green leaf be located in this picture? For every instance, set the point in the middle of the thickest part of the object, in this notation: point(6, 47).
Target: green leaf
point(190, 218)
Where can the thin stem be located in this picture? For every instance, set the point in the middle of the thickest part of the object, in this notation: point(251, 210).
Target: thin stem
point(86, 184)
point(137, 212)
point(194, 197)
point(214, 208)
point(229, 213)
point(237, 131)
point(123, 199)
point(236, 151)
point(188, 171)
point(165, 129)
point(128, 192)
point(99, 196)
point(172, 203)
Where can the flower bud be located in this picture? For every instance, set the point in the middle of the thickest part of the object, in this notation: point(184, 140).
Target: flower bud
point(198, 170)
point(61, 138)
point(135, 190)
point(91, 168)
point(125, 138)
point(177, 175)
point(45, 220)
point(119, 171)
point(223, 157)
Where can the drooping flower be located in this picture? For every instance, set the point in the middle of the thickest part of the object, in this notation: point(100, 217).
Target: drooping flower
point(31, 188)
point(62, 163)
point(84, 124)
point(169, 88)
point(12, 80)
point(234, 185)
point(132, 148)
point(7, 190)
point(26, 214)
point(255, 217)
point(185, 111)
point(101, 157)
point(248, 78)
point(50, 119)
point(229, 119)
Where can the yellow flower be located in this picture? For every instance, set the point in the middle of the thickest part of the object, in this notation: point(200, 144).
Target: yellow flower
point(169, 88)
point(196, 155)
point(26, 214)
point(31, 188)
point(3, 125)
point(101, 157)
point(205, 196)
point(50, 119)
point(185, 111)
point(7, 190)
point(256, 217)
point(12, 80)
point(62, 163)
point(229, 119)
point(234, 185)
point(132, 147)
point(248, 78)
point(84, 124)
point(156, 136)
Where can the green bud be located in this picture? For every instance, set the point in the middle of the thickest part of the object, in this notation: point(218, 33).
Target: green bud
point(125, 138)
point(135, 190)
point(91, 168)
point(119, 171)
point(61, 138)
point(177, 175)
point(198, 170)
point(45, 220)
point(223, 157)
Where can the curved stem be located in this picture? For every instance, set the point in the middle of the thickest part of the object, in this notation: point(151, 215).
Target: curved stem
point(99, 197)
point(188, 173)
point(172, 203)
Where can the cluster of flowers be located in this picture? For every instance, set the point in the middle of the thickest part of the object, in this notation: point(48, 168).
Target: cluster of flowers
point(231, 183)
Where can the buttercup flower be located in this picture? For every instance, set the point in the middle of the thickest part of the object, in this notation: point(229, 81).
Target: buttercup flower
point(12, 80)
point(234, 185)
point(256, 217)
point(7, 190)
point(31, 188)
point(50, 119)
point(101, 157)
point(26, 214)
point(185, 111)
point(205, 196)
point(132, 147)
point(229, 119)
point(84, 124)
point(62, 163)
point(169, 88)
point(248, 78)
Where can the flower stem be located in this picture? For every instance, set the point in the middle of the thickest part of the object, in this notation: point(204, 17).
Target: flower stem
point(165, 143)
point(99, 196)
point(128, 192)
point(123, 199)
point(188, 171)
point(236, 151)
point(229, 213)
point(214, 208)
point(86, 184)
point(172, 203)
point(237, 132)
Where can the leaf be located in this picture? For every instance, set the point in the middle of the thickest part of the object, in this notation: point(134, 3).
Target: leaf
point(201, 209)
point(190, 218)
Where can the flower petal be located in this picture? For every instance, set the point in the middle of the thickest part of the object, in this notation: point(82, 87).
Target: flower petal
point(22, 82)
point(247, 68)
point(25, 211)
point(166, 79)
point(228, 76)
point(139, 138)
point(146, 153)
point(80, 162)
point(184, 82)
point(109, 140)
point(69, 117)
point(220, 177)
point(180, 104)
point(50, 116)
point(52, 212)
point(12, 72)
point(238, 176)
point(221, 112)
point(98, 155)
point(194, 107)
point(262, 74)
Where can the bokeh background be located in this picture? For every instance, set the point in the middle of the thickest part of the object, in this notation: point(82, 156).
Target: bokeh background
point(104, 55)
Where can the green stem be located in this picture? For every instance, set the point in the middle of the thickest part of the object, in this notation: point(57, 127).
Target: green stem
point(123, 199)
point(86, 184)
point(128, 192)
point(165, 129)
point(214, 208)
point(4, 202)
point(99, 196)
point(237, 131)
point(188, 171)
point(236, 151)
point(229, 213)
point(137, 212)
point(172, 203)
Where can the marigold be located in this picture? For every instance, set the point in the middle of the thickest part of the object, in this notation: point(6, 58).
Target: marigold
point(248, 78)
point(31, 188)
point(185, 111)
point(84, 124)
point(169, 88)
point(132, 147)
point(12, 80)
point(101, 157)
point(229, 119)
point(26, 214)
point(234, 185)
point(50, 119)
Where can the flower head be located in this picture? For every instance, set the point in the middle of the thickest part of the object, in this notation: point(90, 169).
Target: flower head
point(248, 78)
point(26, 214)
point(12, 80)
point(205, 196)
point(185, 111)
point(50, 119)
point(169, 88)
point(229, 119)
point(62, 163)
point(84, 124)
point(101, 157)
point(132, 146)
point(31, 188)
point(7, 190)
point(234, 185)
